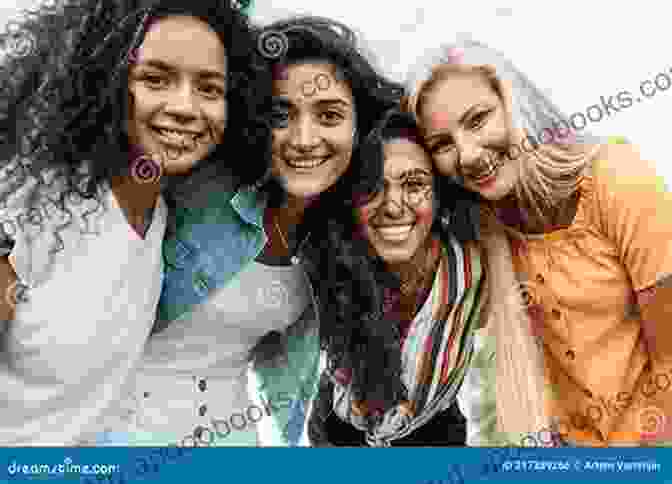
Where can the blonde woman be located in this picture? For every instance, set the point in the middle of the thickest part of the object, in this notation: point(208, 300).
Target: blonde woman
point(579, 245)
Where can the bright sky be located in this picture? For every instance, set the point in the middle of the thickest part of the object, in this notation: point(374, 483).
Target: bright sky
point(576, 50)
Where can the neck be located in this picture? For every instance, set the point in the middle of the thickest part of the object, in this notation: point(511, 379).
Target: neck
point(290, 215)
point(414, 273)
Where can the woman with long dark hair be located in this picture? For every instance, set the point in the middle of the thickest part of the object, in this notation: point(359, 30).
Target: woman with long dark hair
point(404, 293)
point(236, 285)
point(98, 135)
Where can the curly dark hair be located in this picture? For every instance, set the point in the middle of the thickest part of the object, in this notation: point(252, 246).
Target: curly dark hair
point(65, 104)
point(305, 39)
point(357, 333)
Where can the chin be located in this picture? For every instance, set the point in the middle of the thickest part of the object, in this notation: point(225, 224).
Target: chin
point(306, 189)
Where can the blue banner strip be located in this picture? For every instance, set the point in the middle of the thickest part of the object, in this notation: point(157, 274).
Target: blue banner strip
point(334, 466)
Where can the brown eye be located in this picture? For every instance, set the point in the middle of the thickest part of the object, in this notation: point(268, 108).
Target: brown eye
point(479, 120)
point(331, 117)
point(212, 91)
point(153, 81)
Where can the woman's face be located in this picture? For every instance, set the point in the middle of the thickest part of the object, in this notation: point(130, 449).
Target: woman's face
point(465, 125)
point(313, 127)
point(397, 221)
point(177, 90)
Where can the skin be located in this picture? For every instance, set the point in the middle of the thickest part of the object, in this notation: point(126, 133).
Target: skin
point(407, 198)
point(311, 124)
point(403, 201)
point(464, 120)
point(465, 124)
point(187, 93)
point(313, 118)
point(177, 82)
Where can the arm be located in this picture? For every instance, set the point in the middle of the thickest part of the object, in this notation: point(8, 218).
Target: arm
point(635, 212)
point(321, 409)
point(7, 283)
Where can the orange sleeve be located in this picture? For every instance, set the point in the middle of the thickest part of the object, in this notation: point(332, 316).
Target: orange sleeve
point(635, 213)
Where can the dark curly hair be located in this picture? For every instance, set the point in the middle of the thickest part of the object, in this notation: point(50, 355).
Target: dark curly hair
point(308, 39)
point(357, 333)
point(64, 104)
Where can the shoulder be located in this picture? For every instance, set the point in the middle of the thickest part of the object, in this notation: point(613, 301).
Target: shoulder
point(621, 165)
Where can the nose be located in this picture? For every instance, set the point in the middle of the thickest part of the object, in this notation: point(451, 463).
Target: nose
point(472, 157)
point(182, 103)
point(393, 203)
point(304, 135)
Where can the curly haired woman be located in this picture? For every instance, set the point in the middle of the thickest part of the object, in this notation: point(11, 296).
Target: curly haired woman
point(404, 295)
point(99, 140)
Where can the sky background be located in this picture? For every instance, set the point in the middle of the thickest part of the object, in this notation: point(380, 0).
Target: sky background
point(575, 50)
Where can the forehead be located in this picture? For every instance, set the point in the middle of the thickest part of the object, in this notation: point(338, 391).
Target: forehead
point(403, 155)
point(184, 41)
point(454, 95)
point(309, 80)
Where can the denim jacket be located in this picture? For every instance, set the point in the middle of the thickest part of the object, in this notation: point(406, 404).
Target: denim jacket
point(213, 241)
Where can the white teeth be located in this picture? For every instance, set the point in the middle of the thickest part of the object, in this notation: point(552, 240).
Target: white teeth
point(177, 135)
point(398, 233)
point(308, 163)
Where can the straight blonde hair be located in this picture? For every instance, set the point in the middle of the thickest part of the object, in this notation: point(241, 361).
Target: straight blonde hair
point(549, 174)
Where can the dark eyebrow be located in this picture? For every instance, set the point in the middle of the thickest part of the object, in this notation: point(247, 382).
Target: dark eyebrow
point(284, 101)
point(158, 64)
point(331, 102)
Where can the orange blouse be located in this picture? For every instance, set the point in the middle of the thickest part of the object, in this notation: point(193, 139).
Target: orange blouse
point(606, 388)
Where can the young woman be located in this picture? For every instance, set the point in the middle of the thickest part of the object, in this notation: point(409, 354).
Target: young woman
point(82, 214)
point(393, 377)
point(237, 284)
point(580, 229)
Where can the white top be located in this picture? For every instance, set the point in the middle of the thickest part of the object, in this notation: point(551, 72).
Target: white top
point(89, 310)
point(195, 372)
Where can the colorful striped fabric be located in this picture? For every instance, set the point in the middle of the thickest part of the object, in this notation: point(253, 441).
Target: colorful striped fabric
point(435, 353)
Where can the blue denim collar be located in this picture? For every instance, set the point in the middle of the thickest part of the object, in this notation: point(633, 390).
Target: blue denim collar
point(250, 204)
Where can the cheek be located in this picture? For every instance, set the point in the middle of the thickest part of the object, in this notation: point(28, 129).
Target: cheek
point(425, 214)
point(445, 165)
point(341, 140)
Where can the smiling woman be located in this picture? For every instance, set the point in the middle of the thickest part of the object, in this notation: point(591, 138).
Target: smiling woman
point(396, 367)
point(180, 56)
point(82, 112)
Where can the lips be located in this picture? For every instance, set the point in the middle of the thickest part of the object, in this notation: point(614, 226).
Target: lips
point(486, 178)
point(306, 163)
point(395, 233)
